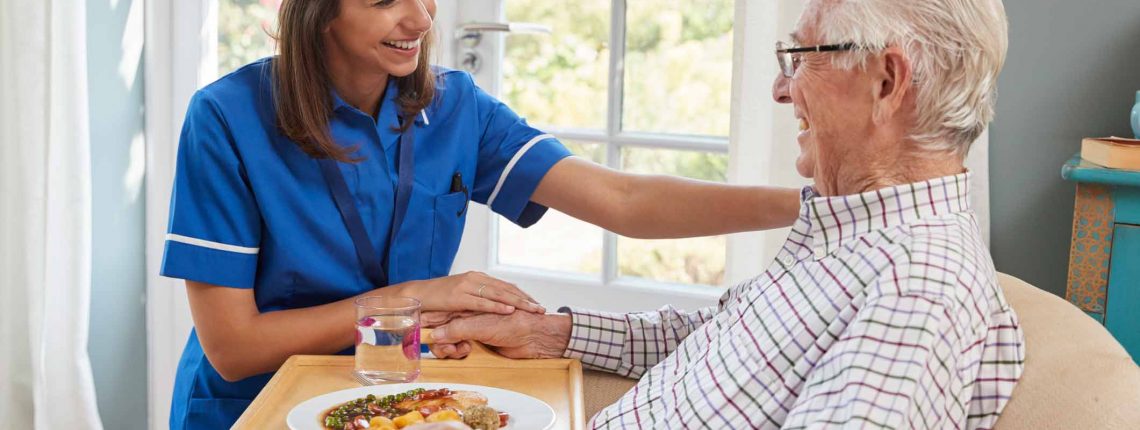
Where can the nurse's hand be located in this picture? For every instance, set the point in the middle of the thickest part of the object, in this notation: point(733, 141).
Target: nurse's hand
point(471, 291)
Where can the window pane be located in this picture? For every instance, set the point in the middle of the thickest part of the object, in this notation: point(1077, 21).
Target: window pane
point(688, 261)
point(559, 80)
point(678, 66)
point(244, 27)
point(557, 242)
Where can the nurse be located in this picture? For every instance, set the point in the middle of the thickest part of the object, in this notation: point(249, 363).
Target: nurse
point(344, 166)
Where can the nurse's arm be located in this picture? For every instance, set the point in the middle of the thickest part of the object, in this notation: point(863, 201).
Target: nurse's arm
point(661, 207)
point(240, 341)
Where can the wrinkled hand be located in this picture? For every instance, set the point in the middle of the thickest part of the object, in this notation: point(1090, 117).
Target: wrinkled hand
point(471, 291)
point(518, 335)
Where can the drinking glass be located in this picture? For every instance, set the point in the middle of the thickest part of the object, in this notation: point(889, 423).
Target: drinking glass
point(387, 339)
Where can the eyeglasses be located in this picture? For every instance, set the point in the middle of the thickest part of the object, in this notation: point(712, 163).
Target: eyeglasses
point(790, 60)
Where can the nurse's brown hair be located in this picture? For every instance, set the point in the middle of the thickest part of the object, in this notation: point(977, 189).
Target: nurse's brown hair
point(302, 81)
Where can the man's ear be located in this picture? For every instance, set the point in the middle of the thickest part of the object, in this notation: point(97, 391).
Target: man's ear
point(893, 77)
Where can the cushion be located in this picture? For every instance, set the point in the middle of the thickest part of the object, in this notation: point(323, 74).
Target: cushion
point(1076, 375)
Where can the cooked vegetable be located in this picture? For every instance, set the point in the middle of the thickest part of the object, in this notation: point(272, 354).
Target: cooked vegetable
point(444, 415)
point(481, 418)
point(413, 417)
point(397, 411)
point(345, 416)
point(381, 423)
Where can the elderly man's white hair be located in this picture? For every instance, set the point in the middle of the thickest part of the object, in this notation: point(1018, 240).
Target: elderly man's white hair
point(957, 49)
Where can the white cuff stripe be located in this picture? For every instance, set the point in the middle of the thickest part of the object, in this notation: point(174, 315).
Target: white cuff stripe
point(511, 165)
point(212, 245)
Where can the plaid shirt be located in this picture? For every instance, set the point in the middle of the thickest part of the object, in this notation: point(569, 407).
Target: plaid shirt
point(881, 310)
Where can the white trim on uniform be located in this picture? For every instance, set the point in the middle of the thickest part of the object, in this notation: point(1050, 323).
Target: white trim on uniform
point(511, 165)
point(423, 113)
point(212, 245)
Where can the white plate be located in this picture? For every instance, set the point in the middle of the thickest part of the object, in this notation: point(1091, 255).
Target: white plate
point(526, 412)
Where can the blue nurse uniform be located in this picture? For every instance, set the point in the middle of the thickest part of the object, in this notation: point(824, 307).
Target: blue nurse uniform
point(251, 210)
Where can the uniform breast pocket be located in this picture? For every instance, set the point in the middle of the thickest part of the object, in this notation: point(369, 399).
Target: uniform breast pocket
point(450, 214)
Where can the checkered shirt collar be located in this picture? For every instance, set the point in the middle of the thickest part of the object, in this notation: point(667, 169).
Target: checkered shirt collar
point(835, 222)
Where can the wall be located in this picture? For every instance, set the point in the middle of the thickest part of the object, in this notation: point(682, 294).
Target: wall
point(1073, 71)
point(118, 330)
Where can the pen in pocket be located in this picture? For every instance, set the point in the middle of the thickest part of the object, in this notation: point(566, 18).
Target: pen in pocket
point(457, 186)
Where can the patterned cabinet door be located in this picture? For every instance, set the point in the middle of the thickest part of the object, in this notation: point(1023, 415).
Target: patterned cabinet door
point(1122, 317)
point(1089, 252)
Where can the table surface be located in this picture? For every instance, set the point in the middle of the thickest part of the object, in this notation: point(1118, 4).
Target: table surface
point(1078, 169)
point(556, 382)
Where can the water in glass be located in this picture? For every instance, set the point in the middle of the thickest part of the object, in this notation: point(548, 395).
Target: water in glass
point(388, 347)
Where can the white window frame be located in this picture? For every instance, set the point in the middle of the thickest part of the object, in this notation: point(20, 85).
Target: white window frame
point(752, 129)
point(181, 56)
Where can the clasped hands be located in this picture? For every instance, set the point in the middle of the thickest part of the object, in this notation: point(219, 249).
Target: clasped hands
point(477, 307)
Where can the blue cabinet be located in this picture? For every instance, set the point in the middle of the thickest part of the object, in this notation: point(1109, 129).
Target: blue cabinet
point(1104, 256)
point(1122, 305)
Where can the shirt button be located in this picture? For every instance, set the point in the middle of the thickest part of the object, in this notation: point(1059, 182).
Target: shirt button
point(788, 260)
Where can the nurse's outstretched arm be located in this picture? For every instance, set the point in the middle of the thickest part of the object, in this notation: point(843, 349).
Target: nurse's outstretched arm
point(241, 341)
point(662, 207)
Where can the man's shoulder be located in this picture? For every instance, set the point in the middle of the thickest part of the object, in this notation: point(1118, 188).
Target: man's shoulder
point(945, 259)
point(950, 243)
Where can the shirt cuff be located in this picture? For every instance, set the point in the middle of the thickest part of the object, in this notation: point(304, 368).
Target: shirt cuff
point(227, 268)
point(596, 338)
point(522, 178)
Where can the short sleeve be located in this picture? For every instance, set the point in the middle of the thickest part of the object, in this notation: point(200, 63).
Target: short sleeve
point(513, 159)
point(215, 225)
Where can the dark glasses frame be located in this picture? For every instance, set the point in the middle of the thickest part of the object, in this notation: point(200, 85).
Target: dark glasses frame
point(789, 62)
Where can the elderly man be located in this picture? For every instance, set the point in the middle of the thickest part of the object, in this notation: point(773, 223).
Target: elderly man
point(883, 308)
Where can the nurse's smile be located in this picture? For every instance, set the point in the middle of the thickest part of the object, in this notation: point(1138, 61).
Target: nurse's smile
point(409, 48)
point(371, 40)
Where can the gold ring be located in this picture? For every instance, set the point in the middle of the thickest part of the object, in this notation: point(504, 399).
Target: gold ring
point(481, 287)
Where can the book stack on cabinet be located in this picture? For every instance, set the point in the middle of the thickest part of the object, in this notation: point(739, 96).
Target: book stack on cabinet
point(1112, 152)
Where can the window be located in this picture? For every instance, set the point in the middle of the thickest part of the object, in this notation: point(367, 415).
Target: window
point(668, 114)
point(244, 29)
point(659, 103)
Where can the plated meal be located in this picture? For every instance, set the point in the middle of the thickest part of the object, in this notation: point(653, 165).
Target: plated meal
point(419, 405)
point(397, 406)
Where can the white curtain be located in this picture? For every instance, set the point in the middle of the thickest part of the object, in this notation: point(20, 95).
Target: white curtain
point(979, 164)
point(45, 210)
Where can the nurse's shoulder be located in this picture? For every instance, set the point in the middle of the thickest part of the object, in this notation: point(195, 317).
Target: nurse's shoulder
point(236, 107)
point(459, 98)
point(241, 96)
point(451, 82)
point(248, 84)
point(454, 90)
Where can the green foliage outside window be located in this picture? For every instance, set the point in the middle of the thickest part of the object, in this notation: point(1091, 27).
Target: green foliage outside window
point(244, 29)
point(678, 61)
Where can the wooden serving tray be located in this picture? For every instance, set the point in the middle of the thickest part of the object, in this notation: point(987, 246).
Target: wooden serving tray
point(558, 382)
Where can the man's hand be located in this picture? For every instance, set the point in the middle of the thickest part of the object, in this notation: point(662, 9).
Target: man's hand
point(518, 335)
point(438, 318)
